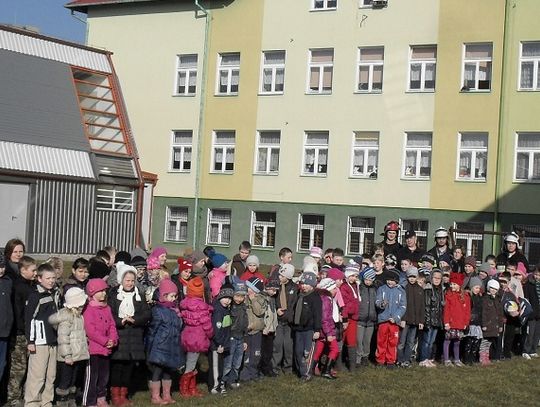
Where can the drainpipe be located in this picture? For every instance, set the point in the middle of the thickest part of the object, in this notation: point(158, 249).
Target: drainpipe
point(198, 160)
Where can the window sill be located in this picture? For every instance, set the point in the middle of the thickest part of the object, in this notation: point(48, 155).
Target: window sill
point(316, 10)
point(420, 91)
point(270, 93)
point(267, 174)
point(528, 90)
point(471, 181)
point(366, 177)
point(179, 171)
point(221, 173)
point(183, 95)
point(263, 248)
point(174, 241)
point(367, 92)
point(313, 175)
point(415, 178)
point(526, 181)
point(475, 91)
point(219, 95)
point(218, 244)
point(319, 93)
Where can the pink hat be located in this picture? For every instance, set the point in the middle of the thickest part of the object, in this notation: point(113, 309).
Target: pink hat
point(315, 252)
point(158, 251)
point(335, 274)
point(95, 285)
point(522, 269)
point(152, 263)
point(166, 286)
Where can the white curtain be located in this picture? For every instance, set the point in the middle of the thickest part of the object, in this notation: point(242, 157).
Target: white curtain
point(261, 162)
point(522, 166)
point(527, 72)
point(274, 159)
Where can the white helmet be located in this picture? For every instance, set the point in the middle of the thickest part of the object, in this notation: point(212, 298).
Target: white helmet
point(512, 237)
point(441, 232)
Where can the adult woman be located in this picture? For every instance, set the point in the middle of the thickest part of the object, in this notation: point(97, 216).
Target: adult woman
point(511, 251)
point(13, 252)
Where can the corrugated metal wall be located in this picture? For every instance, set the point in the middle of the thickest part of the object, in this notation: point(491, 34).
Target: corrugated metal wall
point(65, 220)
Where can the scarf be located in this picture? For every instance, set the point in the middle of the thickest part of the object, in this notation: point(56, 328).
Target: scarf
point(127, 308)
point(283, 297)
point(298, 308)
point(335, 310)
point(339, 299)
point(354, 289)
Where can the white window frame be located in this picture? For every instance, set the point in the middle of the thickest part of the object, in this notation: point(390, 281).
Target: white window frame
point(274, 68)
point(424, 62)
point(220, 224)
point(477, 62)
point(419, 233)
point(229, 69)
point(179, 220)
point(271, 148)
point(324, 5)
point(189, 71)
point(469, 237)
point(474, 151)
point(363, 231)
point(321, 66)
point(224, 147)
point(531, 235)
point(366, 150)
point(370, 64)
point(181, 149)
point(115, 198)
point(419, 150)
point(365, 4)
point(532, 152)
point(318, 148)
point(536, 66)
point(265, 225)
point(312, 228)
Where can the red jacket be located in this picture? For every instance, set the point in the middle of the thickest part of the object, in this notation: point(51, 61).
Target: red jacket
point(457, 309)
point(248, 274)
point(352, 302)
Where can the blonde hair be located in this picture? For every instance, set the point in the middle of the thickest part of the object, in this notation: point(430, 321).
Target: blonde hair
point(55, 262)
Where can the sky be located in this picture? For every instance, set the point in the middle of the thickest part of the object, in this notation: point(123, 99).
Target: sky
point(49, 16)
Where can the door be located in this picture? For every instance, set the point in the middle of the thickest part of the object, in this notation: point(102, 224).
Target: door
point(13, 211)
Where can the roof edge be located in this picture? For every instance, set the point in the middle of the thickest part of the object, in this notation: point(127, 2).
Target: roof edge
point(82, 6)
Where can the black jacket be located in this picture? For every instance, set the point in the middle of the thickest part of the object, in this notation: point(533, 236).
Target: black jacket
point(71, 282)
point(239, 318)
point(476, 310)
point(292, 295)
point(367, 313)
point(518, 257)
point(221, 321)
point(531, 294)
point(22, 288)
point(415, 312)
point(310, 317)
point(492, 316)
point(406, 253)
point(433, 306)
point(41, 305)
point(6, 318)
point(391, 248)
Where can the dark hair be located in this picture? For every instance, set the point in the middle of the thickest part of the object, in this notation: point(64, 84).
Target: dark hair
point(458, 246)
point(284, 250)
point(26, 261)
point(338, 252)
point(490, 257)
point(44, 268)
point(81, 262)
point(512, 262)
point(10, 246)
point(104, 255)
point(506, 274)
point(329, 251)
point(245, 245)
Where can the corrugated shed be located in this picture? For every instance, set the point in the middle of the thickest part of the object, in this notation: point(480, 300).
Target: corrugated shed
point(69, 54)
point(115, 167)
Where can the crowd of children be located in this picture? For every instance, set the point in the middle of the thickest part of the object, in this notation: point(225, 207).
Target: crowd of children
point(119, 316)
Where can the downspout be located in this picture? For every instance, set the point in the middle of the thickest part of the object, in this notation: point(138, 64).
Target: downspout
point(198, 156)
point(495, 243)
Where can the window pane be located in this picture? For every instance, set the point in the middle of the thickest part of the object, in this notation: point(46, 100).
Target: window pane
point(280, 77)
point(269, 137)
point(314, 78)
point(430, 76)
point(418, 140)
point(274, 57)
point(522, 166)
point(274, 160)
point(372, 54)
point(187, 158)
point(225, 137)
point(230, 59)
point(480, 170)
point(366, 139)
point(410, 163)
point(358, 162)
point(529, 140)
point(322, 56)
point(223, 81)
point(527, 75)
point(465, 160)
point(484, 75)
point(470, 76)
point(309, 160)
point(531, 49)
point(474, 140)
point(536, 166)
point(363, 78)
point(424, 52)
point(425, 163)
point(478, 51)
point(187, 61)
point(327, 78)
point(267, 80)
point(263, 156)
point(377, 77)
point(317, 138)
point(416, 71)
point(182, 137)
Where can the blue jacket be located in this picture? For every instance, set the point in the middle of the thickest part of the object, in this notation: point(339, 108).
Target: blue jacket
point(221, 321)
point(163, 338)
point(391, 302)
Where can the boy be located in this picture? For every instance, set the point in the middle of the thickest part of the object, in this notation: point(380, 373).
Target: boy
point(391, 301)
point(6, 316)
point(285, 257)
point(269, 331)
point(413, 319)
point(531, 290)
point(238, 337)
point(367, 316)
point(239, 260)
point(380, 271)
point(508, 300)
point(41, 338)
point(337, 259)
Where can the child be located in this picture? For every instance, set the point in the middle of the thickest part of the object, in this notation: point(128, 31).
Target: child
point(474, 335)
point(269, 331)
point(182, 278)
point(160, 253)
point(221, 321)
point(79, 275)
point(41, 338)
point(337, 259)
point(391, 301)
point(72, 352)
point(252, 269)
point(162, 343)
point(457, 314)
point(367, 316)
point(492, 320)
point(195, 338)
point(512, 323)
point(458, 263)
point(6, 318)
point(285, 257)
point(102, 337)
point(351, 299)
point(153, 268)
point(218, 273)
point(470, 271)
point(238, 337)
point(380, 271)
point(531, 290)
point(433, 303)
point(239, 263)
point(306, 325)
point(58, 265)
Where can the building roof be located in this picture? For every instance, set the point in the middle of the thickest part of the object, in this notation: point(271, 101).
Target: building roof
point(82, 5)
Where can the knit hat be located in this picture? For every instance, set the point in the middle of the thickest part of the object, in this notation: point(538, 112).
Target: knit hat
point(152, 263)
point(218, 259)
point(357, 259)
point(138, 261)
point(493, 284)
point(158, 251)
point(310, 268)
point(240, 288)
point(287, 271)
point(2, 261)
point(98, 269)
point(166, 286)
point(256, 284)
point(74, 297)
point(351, 270)
point(422, 271)
point(393, 275)
point(252, 259)
point(184, 264)
point(122, 269)
point(412, 272)
point(95, 285)
point(369, 273)
point(273, 283)
point(195, 256)
point(327, 284)
point(522, 269)
point(457, 278)
point(484, 268)
point(195, 288)
point(390, 260)
point(225, 292)
point(475, 281)
point(429, 258)
point(335, 274)
point(471, 261)
point(123, 256)
point(308, 278)
point(316, 252)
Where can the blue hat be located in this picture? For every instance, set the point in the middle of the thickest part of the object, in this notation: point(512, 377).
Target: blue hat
point(256, 284)
point(368, 273)
point(240, 288)
point(218, 259)
point(309, 278)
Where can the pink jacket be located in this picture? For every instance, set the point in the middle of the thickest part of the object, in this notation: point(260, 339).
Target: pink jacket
point(197, 317)
point(100, 328)
point(327, 320)
point(217, 277)
point(352, 301)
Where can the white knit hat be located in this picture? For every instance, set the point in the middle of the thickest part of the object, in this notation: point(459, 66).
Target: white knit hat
point(74, 297)
point(121, 269)
point(327, 284)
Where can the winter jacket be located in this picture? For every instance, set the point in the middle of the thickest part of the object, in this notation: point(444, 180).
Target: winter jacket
point(506, 297)
point(351, 299)
point(221, 321)
point(100, 328)
point(246, 275)
point(256, 307)
point(415, 312)
point(217, 277)
point(309, 318)
point(531, 289)
point(131, 336)
point(391, 248)
point(41, 305)
point(6, 319)
point(518, 257)
point(328, 324)
point(446, 256)
point(197, 331)
point(380, 279)
point(72, 282)
point(492, 316)
point(22, 288)
point(238, 265)
point(414, 255)
point(163, 338)
point(457, 309)
point(270, 315)
point(458, 266)
point(367, 312)
point(391, 302)
point(72, 342)
point(433, 306)
point(240, 322)
point(476, 310)
point(291, 292)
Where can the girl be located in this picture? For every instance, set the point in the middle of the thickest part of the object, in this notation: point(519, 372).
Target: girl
point(492, 320)
point(58, 265)
point(458, 262)
point(161, 254)
point(457, 314)
point(131, 315)
point(351, 298)
point(252, 269)
point(182, 278)
point(13, 252)
point(72, 351)
point(162, 343)
point(102, 337)
point(154, 278)
point(195, 338)
point(79, 275)
point(474, 335)
point(433, 302)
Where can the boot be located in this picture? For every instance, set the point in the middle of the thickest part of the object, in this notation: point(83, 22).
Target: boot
point(476, 350)
point(193, 390)
point(184, 385)
point(166, 386)
point(124, 396)
point(327, 372)
point(155, 388)
point(72, 398)
point(484, 358)
point(102, 402)
point(468, 353)
point(62, 398)
point(351, 353)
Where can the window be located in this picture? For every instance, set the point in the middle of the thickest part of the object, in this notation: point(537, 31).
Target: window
point(219, 226)
point(263, 229)
point(223, 152)
point(422, 64)
point(477, 67)
point(311, 231)
point(365, 154)
point(176, 224)
point(370, 69)
point(115, 198)
point(228, 74)
point(182, 141)
point(321, 69)
point(529, 74)
point(419, 226)
point(366, 3)
point(528, 157)
point(273, 72)
point(186, 74)
point(315, 153)
point(417, 163)
point(324, 4)
point(361, 235)
point(531, 241)
point(268, 152)
point(470, 235)
point(472, 164)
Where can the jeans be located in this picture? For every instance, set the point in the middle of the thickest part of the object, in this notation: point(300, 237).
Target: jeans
point(363, 341)
point(406, 343)
point(428, 339)
point(303, 349)
point(233, 361)
point(283, 348)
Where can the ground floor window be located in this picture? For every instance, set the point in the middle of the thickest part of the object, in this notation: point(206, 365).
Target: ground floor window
point(310, 231)
point(219, 226)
